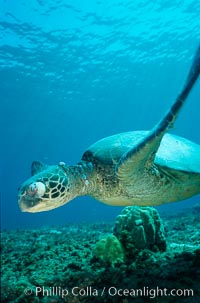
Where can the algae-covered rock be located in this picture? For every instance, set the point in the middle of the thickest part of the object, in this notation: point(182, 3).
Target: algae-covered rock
point(32, 258)
point(140, 228)
point(109, 249)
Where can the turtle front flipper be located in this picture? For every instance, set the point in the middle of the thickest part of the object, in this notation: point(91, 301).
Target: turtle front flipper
point(143, 154)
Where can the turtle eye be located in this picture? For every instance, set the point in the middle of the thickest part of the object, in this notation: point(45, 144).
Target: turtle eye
point(38, 188)
point(32, 189)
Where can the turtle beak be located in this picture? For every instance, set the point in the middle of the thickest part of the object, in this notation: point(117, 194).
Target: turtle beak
point(27, 205)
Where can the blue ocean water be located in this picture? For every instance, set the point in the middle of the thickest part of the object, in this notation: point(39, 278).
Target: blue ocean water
point(73, 72)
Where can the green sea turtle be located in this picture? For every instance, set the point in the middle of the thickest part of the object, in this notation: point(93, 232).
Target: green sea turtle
point(133, 168)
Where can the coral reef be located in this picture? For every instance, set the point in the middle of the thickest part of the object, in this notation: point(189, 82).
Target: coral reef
point(59, 263)
point(140, 228)
point(109, 249)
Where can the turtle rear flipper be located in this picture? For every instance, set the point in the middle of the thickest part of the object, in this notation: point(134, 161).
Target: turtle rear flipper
point(143, 154)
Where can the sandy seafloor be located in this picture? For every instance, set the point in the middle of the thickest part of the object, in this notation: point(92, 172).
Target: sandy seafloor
point(61, 259)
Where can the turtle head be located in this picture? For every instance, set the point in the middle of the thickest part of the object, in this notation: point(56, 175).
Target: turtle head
point(48, 188)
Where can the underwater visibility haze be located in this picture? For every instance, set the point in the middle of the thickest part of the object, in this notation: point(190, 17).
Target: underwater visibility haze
point(73, 72)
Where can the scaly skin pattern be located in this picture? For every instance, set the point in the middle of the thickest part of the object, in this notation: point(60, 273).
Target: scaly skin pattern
point(151, 187)
point(64, 183)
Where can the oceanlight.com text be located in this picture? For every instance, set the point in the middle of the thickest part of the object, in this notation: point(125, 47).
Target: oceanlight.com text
point(111, 291)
